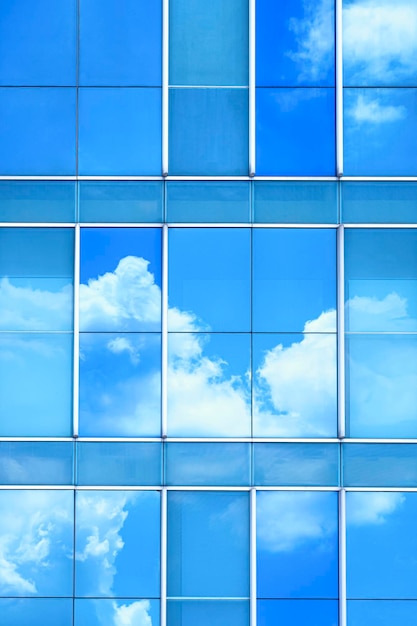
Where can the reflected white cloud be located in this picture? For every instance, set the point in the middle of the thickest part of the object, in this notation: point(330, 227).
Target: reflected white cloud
point(122, 344)
point(372, 507)
point(368, 109)
point(371, 313)
point(135, 614)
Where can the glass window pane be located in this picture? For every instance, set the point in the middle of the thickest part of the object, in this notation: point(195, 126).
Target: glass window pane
point(117, 544)
point(121, 612)
point(120, 43)
point(208, 202)
point(381, 202)
point(381, 612)
point(291, 612)
point(120, 131)
point(219, 612)
point(208, 132)
point(380, 465)
point(121, 201)
point(209, 42)
point(45, 611)
point(294, 202)
point(36, 463)
point(297, 544)
point(208, 544)
point(25, 201)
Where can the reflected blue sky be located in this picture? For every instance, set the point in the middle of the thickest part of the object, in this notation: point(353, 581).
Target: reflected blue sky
point(381, 612)
point(36, 463)
point(290, 612)
point(380, 465)
point(116, 612)
point(45, 611)
point(221, 613)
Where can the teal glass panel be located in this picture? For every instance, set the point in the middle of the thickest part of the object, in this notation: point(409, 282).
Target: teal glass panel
point(381, 203)
point(295, 202)
point(26, 201)
point(121, 201)
point(36, 463)
point(296, 464)
point(380, 465)
point(124, 612)
point(207, 464)
point(45, 611)
point(208, 202)
point(290, 612)
point(381, 612)
point(204, 613)
point(209, 42)
point(119, 463)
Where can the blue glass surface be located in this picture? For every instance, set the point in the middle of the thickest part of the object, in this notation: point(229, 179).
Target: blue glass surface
point(208, 132)
point(121, 43)
point(119, 612)
point(117, 544)
point(292, 464)
point(381, 545)
point(381, 202)
point(297, 544)
point(25, 26)
point(37, 131)
point(26, 201)
point(120, 279)
point(36, 463)
point(209, 279)
point(295, 202)
point(119, 463)
point(380, 465)
point(208, 42)
point(381, 612)
point(380, 132)
point(381, 385)
point(208, 544)
point(121, 201)
point(294, 280)
point(208, 202)
point(295, 43)
point(45, 611)
point(37, 544)
point(35, 385)
point(221, 613)
point(295, 131)
point(120, 131)
point(290, 612)
point(207, 464)
point(209, 385)
point(381, 279)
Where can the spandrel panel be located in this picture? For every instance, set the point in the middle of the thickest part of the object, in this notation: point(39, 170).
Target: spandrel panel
point(209, 280)
point(206, 613)
point(381, 545)
point(208, 132)
point(45, 611)
point(37, 131)
point(381, 612)
point(294, 280)
point(120, 131)
point(37, 540)
point(381, 202)
point(209, 391)
point(120, 384)
point(120, 279)
point(127, 523)
point(295, 131)
point(296, 464)
point(36, 463)
point(121, 201)
point(380, 132)
point(208, 202)
point(121, 43)
point(36, 384)
point(380, 465)
point(381, 385)
point(100, 611)
point(25, 26)
point(290, 612)
point(381, 280)
point(119, 463)
point(207, 464)
point(36, 288)
point(26, 201)
point(295, 202)
point(295, 43)
point(208, 544)
point(209, 42)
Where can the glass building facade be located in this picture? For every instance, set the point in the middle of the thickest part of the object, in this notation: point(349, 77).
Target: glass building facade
point(208, 312)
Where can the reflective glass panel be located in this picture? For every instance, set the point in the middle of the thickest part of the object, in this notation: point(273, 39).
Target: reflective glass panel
point(295, 202)
point(381, 202)
point(290, 612)
point(297, 544)
point(208, 202)
point(117, 544)
point(36, 463)
point(381, 612)
point(119, 612)
point(208, 544)
point(221, 613)
point(26, 201)
point(45, 611)
point(380, 465)
point(121, 201)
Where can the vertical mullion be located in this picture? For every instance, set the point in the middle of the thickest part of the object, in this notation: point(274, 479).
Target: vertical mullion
point(342, 558)
point(253, 557)
point(252, 88)
point(164, 338)
point(163, 556)
point(339, 89)
point(76, 339)
point(165, 79)
point(341, 426)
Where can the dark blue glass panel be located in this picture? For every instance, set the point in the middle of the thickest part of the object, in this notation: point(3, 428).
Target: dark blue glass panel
point(381, 545)
point(117, 544)
point(208, 132)
point(208, 202)
point(209, 42)
point(380, 465)
point(291, 612)
point(25, 57)
point(207, 464)
point(120, 131)
point(45, 611)
point(37, 529)
point(36, 463)
point(295, 202)
point(208, 544)
point(382, 202)
point(119, 463)
point(25, 201)
point(297, 544)
point(380, 132)
point(295, 43)
point(295, 132)
point(121, 43)
point(381, 612)
point(293, 464)
point(37, 131)
point(121, 202)
point(221, 613)
point(121, 612)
